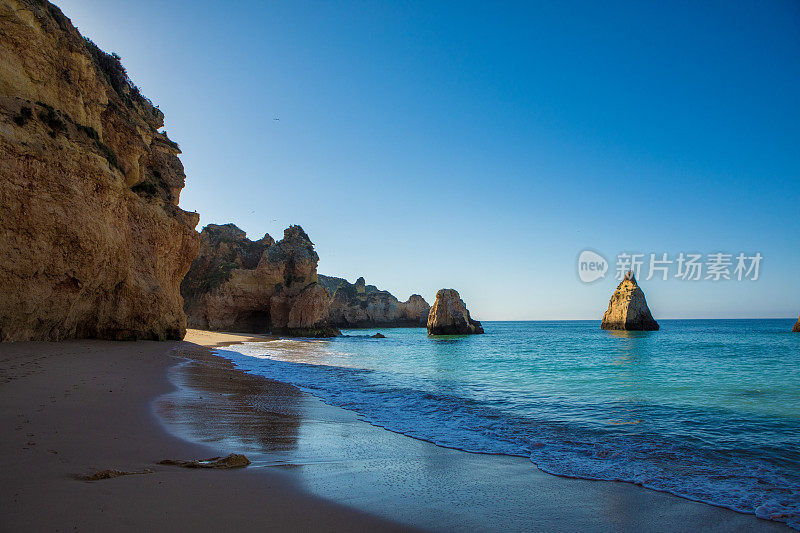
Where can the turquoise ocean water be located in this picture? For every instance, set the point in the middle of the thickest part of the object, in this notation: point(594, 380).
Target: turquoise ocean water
point(705, 409)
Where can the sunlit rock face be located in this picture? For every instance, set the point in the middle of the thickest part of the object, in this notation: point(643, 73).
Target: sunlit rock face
point(627, 309)
point(796, 327)
point(236, 284)
point(449, 316)
point(416, 309)
point(93, 243)
point(360, 305)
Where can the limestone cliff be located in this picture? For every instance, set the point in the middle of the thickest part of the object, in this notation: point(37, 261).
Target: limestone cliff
point(236, 284)
point(365, 306)
point(449, 316)
point(796, 327)
point(93, 243)
point(628, 309)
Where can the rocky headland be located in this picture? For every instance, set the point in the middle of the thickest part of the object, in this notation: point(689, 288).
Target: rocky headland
point(449, 316)
point(627, 309)
point(365, 306)
point(796, 327)
point(236, 284)
point(94, 243)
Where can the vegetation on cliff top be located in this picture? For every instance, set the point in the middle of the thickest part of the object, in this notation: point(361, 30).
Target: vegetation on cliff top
point(110, 65)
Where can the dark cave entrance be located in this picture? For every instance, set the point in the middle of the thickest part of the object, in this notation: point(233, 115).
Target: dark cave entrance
point(253, 322)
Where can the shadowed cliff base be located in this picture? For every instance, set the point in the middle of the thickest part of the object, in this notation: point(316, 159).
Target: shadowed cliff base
point(627, 309)
point(796, 327)
point(94, 244)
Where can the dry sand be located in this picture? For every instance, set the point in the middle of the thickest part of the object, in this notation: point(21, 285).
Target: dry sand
point(78, 407)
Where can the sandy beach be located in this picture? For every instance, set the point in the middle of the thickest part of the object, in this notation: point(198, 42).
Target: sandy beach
point(77, 407)
point(513, 267)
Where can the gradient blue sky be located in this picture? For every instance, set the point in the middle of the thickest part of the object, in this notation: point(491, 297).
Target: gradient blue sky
point(484, 145)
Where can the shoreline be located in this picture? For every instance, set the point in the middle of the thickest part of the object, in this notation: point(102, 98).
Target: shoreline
point(649, 504)
point(102, 404)
point(77, 407)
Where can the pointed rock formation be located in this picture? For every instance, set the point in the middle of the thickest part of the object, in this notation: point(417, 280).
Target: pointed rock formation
point(449, 315)
point(628, 309)
point(361, 285)
point(796, 327)
point(236, 284)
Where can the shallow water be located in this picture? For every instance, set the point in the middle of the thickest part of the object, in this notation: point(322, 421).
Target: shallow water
point(709, 410)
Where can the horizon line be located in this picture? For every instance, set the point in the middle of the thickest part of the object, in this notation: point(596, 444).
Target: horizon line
point(600, 319)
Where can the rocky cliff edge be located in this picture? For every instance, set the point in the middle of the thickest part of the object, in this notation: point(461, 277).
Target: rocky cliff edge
point(93, 242)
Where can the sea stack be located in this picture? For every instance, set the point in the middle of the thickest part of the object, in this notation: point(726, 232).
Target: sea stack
point(628, 309)
point(796, 327)
point(449, 316)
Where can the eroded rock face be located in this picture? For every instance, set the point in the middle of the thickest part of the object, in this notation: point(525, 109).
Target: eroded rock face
point(796, 327)
point(93, 243)
point(449, 315)
point(416, 309)
point(627, 309)
point(365, 306)
point(309, 313)
point(236, 284)
point(223, 248)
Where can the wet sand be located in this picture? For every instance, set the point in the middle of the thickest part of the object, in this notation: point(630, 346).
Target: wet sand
point(80, 406)
point(77, 407)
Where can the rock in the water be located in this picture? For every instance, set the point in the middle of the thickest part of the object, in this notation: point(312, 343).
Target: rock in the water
point(236, 284)
point(234, 460)
point(449, 315)
point(93, 242)
point(796, 327)
point(627, 309)
point(365, 306)
point(379, 336)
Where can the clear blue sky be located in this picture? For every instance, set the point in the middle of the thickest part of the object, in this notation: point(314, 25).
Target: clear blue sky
point(482, 146)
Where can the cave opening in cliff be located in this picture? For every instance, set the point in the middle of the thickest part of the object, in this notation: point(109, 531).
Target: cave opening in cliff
point(254, 322)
